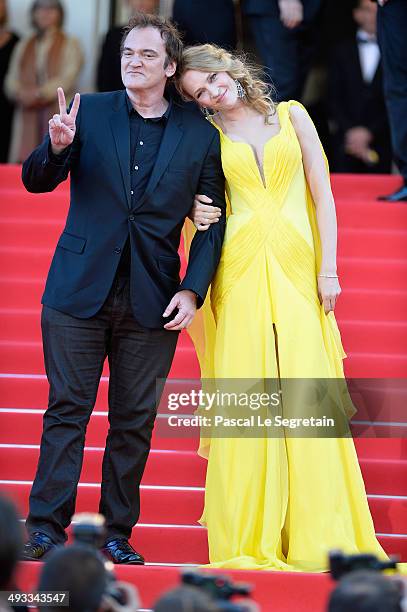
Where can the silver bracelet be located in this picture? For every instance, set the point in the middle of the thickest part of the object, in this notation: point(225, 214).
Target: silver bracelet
point(328, 275)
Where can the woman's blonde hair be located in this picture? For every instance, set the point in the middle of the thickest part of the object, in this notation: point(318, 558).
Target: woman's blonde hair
point(210, 58)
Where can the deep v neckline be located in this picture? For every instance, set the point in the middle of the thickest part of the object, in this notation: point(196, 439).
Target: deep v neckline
point(260, 167)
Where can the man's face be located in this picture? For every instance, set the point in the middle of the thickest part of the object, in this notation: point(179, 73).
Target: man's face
point(144, 60)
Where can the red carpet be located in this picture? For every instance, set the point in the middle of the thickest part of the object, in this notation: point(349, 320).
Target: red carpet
point(371, 315)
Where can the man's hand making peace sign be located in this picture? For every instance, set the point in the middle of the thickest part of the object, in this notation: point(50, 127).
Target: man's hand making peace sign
point(62, 127)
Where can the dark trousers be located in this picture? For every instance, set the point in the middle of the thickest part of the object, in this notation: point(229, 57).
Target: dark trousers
point(286, 54)
point(74, 351)
point(392, 37)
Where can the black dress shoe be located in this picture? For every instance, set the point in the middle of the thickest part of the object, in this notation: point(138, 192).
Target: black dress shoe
point(398, 196)
point(120, 551)
point(37, 547)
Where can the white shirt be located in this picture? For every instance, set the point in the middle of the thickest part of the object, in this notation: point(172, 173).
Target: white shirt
point(369, 54)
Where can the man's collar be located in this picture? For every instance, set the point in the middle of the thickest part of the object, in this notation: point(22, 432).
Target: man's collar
point(163, 117)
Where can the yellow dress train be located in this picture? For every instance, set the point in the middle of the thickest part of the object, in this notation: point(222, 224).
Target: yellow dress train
point(275, 503)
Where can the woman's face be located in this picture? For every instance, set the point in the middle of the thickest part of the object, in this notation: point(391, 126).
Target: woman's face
point(46, 17)
point(214, 90)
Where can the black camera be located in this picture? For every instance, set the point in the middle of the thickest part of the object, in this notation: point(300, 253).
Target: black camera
point(340, 564)
point(88, 529)
point(219, 588)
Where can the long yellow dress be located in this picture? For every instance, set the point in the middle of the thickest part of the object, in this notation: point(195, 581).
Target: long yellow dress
point(277, 503)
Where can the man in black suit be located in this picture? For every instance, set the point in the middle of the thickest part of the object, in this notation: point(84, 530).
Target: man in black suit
point(136, 161)
point(283, 38)
point(392, 37)
point(357, 105)
point(206, 21)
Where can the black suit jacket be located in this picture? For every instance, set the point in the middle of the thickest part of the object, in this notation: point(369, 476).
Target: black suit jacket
point(270, 7)
point(101, 217)
point(206, 21)
point(353, 102)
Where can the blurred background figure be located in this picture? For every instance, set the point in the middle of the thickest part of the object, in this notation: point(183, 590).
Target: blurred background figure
point(186, 598)
point(392, 37)
point(80, 570)
point(40, 63)
point(206, 21)
point(8, 41)
point(357, 105)
point(11, 542)
point(366, 591)
point(109, 70)
point(282, 32)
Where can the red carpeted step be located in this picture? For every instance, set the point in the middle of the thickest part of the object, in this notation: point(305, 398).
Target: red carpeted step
point(372, 273)
point(382, 401)
point(368, 336)
point(22, 426)
point(39, 233)
point(24, 356)
point(166, 468)
point(183, 506)
point(369, 365)
point(368, 273)
point(21, 292)
point(25, 324)
point(188, 544)
point(159, 504)
point(288, 591)
point(371, 305)
point(362, 242)
point(357, 335)
point(360, 304)
point(187, 469)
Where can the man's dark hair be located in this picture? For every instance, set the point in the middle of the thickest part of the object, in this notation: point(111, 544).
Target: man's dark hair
point(168, 31)
point(186, 599)
point(11, 541)
point(79, 570)
point(366, 591)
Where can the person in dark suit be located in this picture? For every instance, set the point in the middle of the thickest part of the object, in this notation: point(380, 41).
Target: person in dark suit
point(206, 21)
point(136, 160)
point(8, 41)
point(357, 104)
point(108, 75)
point(281, 30)
point(391, 33)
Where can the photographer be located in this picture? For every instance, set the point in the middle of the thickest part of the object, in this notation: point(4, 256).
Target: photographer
point(366, 591)
point(186, 598)
point(11, 539)
point(81, 571)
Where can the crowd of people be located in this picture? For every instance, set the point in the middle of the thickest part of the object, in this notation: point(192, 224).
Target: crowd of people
point(322, 52)
point(81, 571)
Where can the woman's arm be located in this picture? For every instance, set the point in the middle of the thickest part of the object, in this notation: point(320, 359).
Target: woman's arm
point(320, 187)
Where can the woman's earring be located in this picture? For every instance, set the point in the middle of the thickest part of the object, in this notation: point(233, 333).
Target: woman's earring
point(240, 89)
point(206, 112)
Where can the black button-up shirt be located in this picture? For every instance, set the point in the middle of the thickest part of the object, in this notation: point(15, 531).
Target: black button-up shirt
point(145, 140)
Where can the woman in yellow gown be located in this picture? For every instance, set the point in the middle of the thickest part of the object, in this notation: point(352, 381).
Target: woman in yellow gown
point(274, 502)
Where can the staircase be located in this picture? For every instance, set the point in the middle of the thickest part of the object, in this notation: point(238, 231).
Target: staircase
point(372, 317)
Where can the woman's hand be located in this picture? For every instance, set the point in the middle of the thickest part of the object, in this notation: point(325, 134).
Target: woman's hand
point(328, 292)
point(202, 215)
